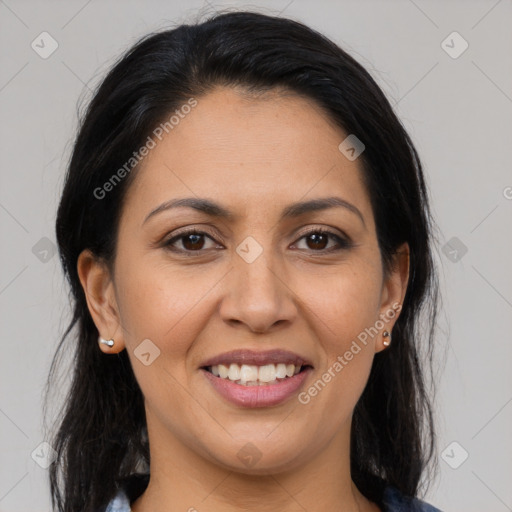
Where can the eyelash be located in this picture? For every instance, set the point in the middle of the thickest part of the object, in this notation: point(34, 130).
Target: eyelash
point(342, 242)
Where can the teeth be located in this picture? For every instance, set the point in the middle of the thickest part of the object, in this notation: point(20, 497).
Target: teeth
point(234, 372)
point(267, 373)
point(248, 373)
point(251, 375)
point(281, 371)
point(222, 370)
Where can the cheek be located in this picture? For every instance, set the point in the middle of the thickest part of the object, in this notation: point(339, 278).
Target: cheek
point(163, 305)
point(346, 302)
point(169, 308)
point(346, 309)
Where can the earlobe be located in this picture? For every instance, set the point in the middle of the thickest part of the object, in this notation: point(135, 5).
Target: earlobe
point(98, 289)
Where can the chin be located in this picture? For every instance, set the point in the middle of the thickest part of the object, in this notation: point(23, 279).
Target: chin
point(260, 457)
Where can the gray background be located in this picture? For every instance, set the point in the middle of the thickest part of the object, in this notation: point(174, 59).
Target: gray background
point(459, 114)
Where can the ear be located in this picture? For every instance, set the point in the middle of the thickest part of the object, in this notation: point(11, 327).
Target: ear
point(99, 291)
point(393, 293)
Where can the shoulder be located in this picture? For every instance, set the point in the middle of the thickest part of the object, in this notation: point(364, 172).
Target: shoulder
point(129, 490)
point(394, 501)
point(120, 503)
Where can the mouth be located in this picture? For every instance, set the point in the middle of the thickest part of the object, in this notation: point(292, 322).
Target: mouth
point(257, 379)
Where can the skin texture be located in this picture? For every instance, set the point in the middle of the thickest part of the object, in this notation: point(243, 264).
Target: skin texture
point(253, 156)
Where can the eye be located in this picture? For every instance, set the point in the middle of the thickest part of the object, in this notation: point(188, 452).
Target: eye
point(317, 240)
point(191, 241)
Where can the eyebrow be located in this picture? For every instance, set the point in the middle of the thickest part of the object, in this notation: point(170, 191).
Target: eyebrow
point(291, 211)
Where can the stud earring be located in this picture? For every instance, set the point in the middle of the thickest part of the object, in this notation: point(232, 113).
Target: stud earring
point(386, 334)
point(110, 343)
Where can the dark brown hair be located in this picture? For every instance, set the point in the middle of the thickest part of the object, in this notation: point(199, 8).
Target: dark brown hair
point(101, 436)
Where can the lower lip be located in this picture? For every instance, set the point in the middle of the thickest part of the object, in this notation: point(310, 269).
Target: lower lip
point(257, 396)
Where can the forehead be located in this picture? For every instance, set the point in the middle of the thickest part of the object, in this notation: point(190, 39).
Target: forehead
point(251, 151)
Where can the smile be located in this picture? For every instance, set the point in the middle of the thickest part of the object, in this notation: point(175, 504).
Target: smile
point(249, 378)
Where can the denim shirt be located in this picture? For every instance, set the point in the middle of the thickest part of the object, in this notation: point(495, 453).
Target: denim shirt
point(392, 501)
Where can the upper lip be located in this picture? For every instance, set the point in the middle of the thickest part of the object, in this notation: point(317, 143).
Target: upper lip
point(257, 358)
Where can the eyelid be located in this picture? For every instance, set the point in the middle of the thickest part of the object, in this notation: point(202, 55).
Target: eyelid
point(189, 231)
point(335, 232)
point(342, 240)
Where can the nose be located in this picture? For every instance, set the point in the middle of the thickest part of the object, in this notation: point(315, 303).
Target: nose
point(257, 296)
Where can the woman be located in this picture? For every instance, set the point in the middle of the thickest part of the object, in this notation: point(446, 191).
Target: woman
point(246, 230)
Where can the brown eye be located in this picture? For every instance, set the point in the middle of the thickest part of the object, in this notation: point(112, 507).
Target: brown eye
point(191, 241)
point(317, 240)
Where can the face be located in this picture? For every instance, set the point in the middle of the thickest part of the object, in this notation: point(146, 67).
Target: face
point(267, 283)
